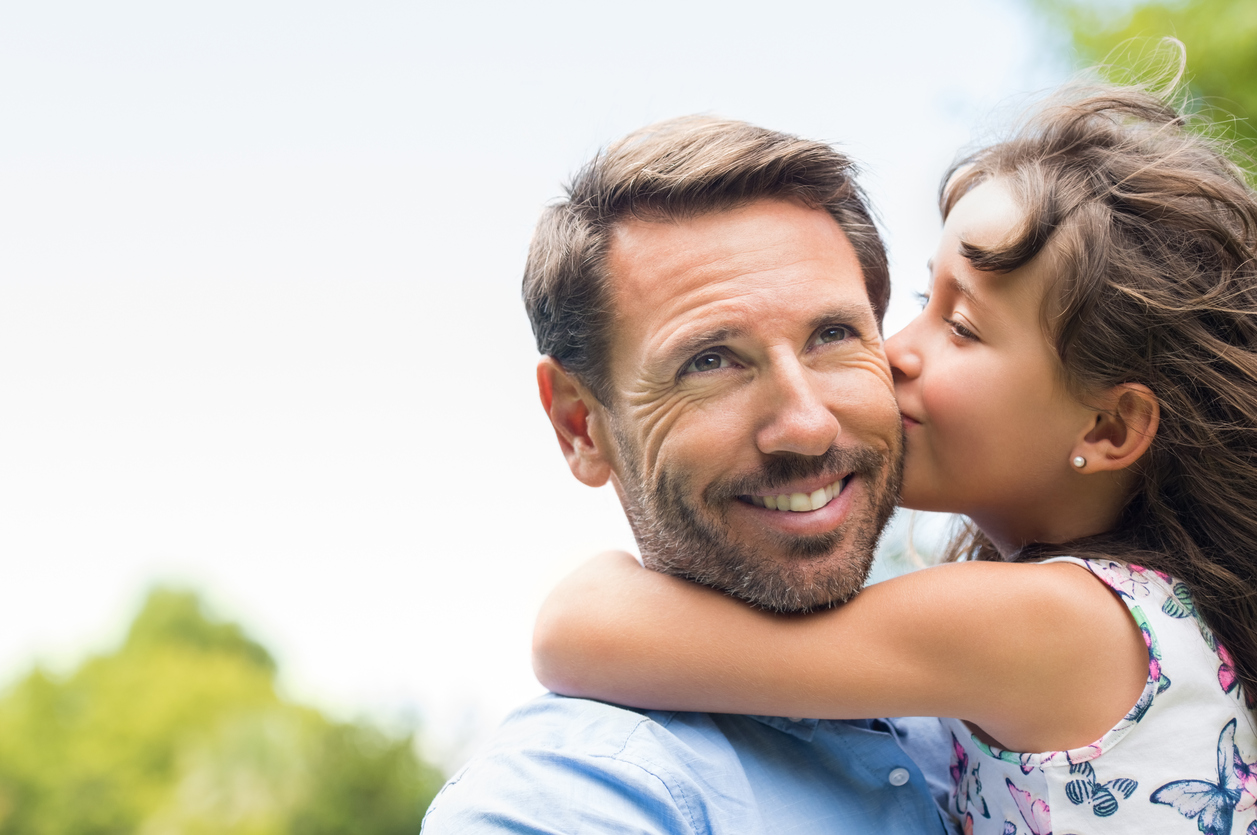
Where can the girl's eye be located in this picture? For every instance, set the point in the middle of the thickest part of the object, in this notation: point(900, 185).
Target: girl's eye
point(922, 298)
point(960, 330)
point(833, 333)
point(710, 361)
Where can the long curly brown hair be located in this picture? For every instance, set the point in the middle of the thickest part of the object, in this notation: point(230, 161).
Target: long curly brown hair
point(1151, 231)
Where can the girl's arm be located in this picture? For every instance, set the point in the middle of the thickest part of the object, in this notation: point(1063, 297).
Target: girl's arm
point(1040, 657)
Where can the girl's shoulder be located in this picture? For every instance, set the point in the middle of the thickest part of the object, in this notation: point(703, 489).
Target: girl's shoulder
point(1173, 629)
point(1163, 760)
point(1137, 584)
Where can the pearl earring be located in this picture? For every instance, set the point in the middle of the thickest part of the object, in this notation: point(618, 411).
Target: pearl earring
point(1079, 461)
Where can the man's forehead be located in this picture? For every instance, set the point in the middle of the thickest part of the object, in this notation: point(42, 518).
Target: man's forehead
point(661, 254)
point(772, 267)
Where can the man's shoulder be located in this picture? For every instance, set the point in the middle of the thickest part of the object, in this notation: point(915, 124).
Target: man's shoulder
point(564, 765)
point(563, 760)
point(556, 723)
point(553, 721)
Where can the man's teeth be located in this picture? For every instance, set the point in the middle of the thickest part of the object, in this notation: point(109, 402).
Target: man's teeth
point(800, 502)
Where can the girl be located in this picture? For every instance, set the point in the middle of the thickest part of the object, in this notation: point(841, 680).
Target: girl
point(1082, 384)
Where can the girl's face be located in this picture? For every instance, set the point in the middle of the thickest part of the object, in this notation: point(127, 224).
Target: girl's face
point(990, 426)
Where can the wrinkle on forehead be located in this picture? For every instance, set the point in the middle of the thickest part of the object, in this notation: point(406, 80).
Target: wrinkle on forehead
point(730, 289)
point(722, 245)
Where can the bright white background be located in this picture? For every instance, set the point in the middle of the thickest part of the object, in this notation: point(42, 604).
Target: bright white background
point(260, 329)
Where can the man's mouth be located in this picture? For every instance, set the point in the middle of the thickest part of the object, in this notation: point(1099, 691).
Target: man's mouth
point(801, 502)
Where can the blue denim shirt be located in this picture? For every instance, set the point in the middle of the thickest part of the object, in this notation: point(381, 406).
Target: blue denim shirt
point(568, 766)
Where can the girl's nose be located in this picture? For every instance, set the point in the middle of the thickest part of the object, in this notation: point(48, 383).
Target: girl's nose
point(901, 351)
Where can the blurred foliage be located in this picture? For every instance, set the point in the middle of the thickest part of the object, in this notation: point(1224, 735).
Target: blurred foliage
point(181, 732)
point(1221, 41)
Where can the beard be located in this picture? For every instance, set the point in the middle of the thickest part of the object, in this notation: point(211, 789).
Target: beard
point(810, 572)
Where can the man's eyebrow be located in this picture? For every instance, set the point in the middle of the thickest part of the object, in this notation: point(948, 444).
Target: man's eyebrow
point(845, 314)
point(853, 314)
point(696, 342)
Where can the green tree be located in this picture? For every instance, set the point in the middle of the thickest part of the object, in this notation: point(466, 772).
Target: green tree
point(181, 730)
point(1221, 41)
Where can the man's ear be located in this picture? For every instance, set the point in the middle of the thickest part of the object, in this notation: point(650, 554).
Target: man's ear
point(577, 418)
point(1122, 430)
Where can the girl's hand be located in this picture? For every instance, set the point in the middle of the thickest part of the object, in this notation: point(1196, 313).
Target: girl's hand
point(604, 598)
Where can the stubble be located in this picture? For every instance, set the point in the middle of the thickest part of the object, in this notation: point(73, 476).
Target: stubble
point(806, 572)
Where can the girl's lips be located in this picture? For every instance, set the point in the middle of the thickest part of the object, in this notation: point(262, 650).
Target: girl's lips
point(909, 421)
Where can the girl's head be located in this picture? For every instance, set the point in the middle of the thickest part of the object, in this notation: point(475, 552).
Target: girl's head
point(991, 419)
point(1130, 243)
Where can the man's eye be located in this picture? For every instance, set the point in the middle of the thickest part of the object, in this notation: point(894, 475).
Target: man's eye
point(706, 362)
point(833, 333)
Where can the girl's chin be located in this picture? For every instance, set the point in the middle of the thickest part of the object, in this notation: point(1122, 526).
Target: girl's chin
point(910, 494)
point(926, 507)
point(922, 491)
point(925, 500)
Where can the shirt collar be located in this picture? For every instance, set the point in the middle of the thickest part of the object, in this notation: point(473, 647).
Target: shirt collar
point(805, 729)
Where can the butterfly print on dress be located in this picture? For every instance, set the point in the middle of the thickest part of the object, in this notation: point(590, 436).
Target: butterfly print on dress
point(967, 786)
point(1179, 604)
point(1211, 805)
point(1034, 812)
point(1086, 790)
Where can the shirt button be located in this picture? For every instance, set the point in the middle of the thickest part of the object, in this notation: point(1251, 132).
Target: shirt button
point(899, 776)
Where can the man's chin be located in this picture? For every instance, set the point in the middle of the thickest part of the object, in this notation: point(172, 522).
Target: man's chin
point(809, 577)
point(777, 572)
point(771, 559)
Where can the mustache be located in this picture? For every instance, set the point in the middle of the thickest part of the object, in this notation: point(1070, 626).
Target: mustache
point(784, 468)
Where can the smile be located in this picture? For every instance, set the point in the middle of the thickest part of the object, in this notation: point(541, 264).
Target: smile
point(801, 502)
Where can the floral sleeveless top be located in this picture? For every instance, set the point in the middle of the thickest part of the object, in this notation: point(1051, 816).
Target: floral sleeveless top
point(1183, 760)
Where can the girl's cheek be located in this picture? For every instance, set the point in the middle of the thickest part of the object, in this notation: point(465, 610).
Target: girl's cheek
point(946, 398)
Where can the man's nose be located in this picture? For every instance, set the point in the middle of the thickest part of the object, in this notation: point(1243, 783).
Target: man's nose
point(799, 419)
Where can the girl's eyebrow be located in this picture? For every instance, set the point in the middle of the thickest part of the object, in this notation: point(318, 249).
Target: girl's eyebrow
point(965, 289)
point(961, 286)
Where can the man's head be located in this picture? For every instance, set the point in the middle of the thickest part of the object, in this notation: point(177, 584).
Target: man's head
point(709, 300)
point(674, 170)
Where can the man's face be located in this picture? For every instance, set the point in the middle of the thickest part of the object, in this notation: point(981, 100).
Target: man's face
point(756, 438)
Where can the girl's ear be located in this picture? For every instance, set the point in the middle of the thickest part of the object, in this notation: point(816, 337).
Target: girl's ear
point(575, 414)
point(1122, 430)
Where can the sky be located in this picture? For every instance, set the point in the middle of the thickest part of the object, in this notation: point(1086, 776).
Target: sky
point(260, 328)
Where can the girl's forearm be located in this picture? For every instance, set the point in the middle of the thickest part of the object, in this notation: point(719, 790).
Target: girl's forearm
point(615, 631)
point(956, 640)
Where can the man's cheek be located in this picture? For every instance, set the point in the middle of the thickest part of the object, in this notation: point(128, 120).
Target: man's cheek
point(876, 363)
point(869, 410)
point(669, 428)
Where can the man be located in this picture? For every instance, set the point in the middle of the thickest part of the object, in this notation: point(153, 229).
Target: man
point(708, 301)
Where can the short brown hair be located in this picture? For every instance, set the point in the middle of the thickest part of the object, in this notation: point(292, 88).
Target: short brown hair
point(677, 169)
